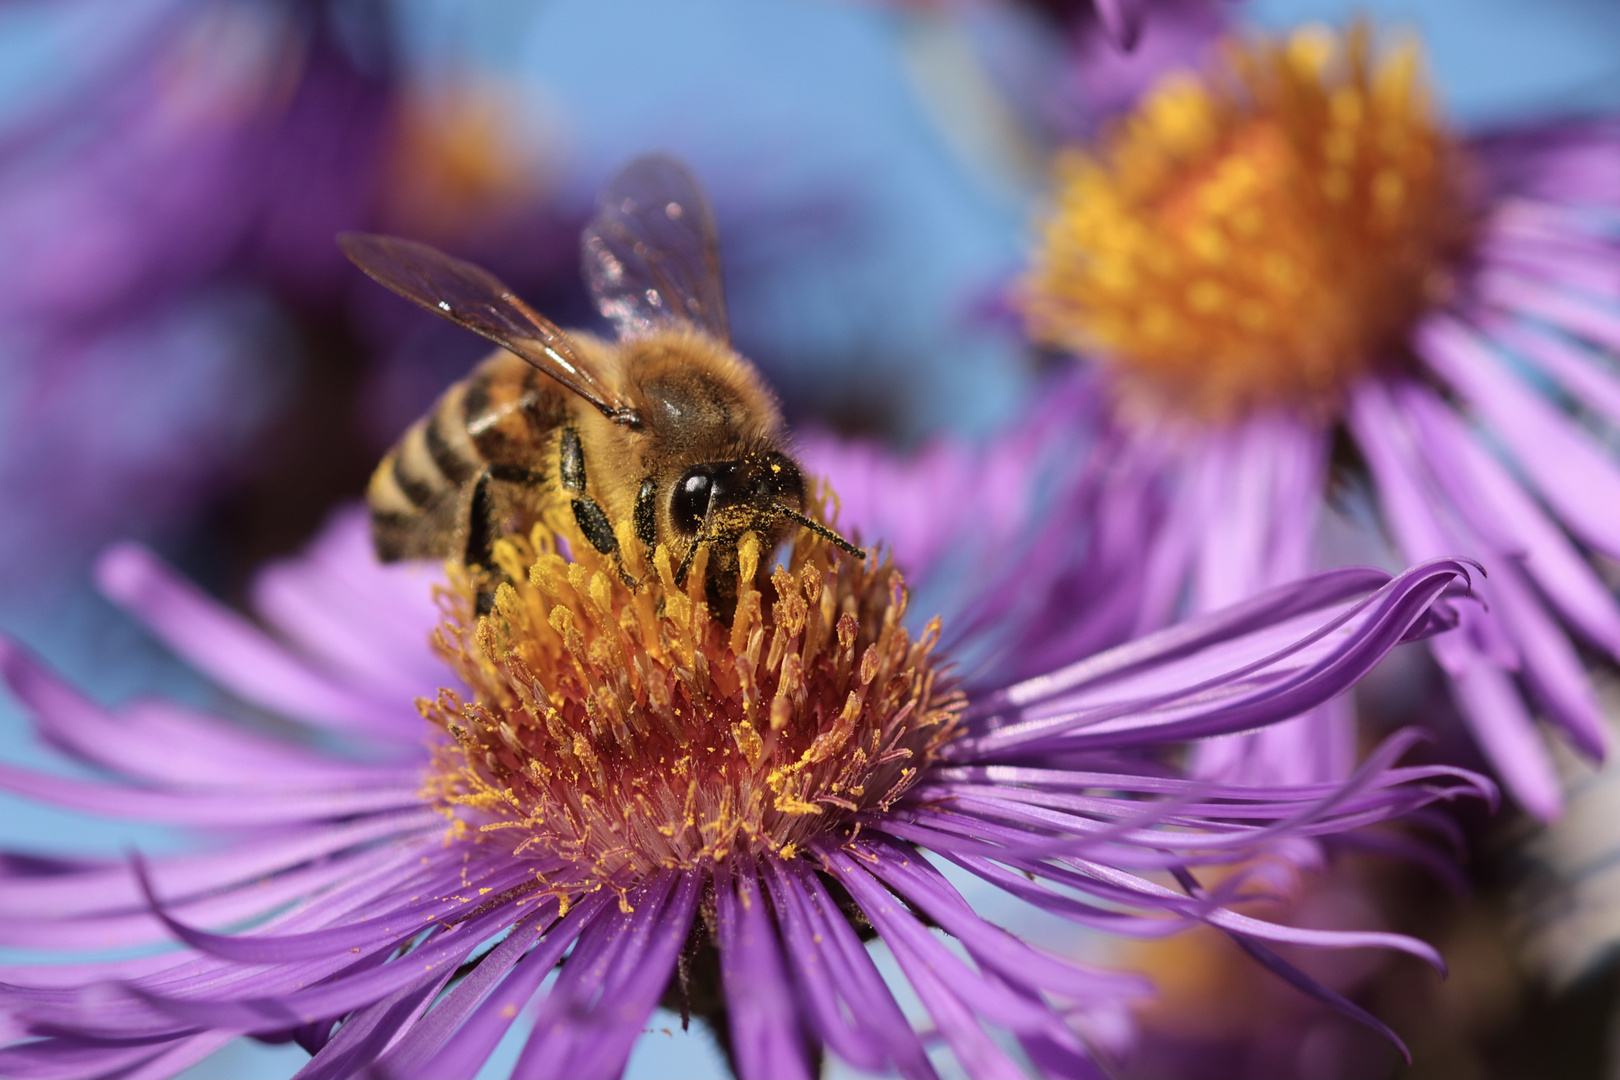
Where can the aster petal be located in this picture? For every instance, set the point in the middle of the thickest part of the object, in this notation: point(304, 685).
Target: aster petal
point(1302, 982)
point(1574, 475)
point(990, 998)
point(367, 620)
point(1182, 834)
point(1583, 374)
point(148, 1002)
point(1418, 511)
point(1496, 715)
point(1122, 19)
point(1259, 484)
point(238, 655)
point(1555, 306)
point(355, 988)
point(203, 809)
point(846, 999)
point(953, 994)
point(1490, 703)
point(1223, 689)
point(611, 984)
point(1269, 614)
point(1164, 576)
point(1550, 244)
point(170, 745)
point(763, 1014)
point(72, 1058)
point(926, 889)
point(470, 1046)
point(142, 927)
point(99, 889)
point(426, 1037)
point(348, 886)
point(368, 1032)
point(1068, 823)
point(1551, 667)
point(1548, 661)
point(1144, 890)
point(1059, 1061)
point(1493, 501)
point(179, 1056)
point(399, 925)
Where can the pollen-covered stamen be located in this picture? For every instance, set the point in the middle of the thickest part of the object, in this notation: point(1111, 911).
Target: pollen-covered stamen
point(1260, 236)
point(625, 730)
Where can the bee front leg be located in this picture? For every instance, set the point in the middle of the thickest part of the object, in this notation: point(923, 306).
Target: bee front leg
point(588, 514)
point(479, 550)
point(646, 515)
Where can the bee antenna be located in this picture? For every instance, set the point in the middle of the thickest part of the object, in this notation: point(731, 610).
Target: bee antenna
point(820, 530)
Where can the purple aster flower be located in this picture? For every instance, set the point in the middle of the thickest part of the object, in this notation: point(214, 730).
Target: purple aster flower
point(1296, 284)
point(211, 151)
point(678, 810)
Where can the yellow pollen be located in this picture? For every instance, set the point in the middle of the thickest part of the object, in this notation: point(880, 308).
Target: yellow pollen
point(621, 729)
point(1259, 236)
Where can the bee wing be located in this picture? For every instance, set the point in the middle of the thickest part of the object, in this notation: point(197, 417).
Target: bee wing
point(652, 253)
point(476, 299)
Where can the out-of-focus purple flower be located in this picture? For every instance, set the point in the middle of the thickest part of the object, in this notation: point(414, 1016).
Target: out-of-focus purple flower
point(628, 783)
point(1292, 251)
point(151, 214)
point(1220, 1016)
point(1101, 81)
point(1121, 22)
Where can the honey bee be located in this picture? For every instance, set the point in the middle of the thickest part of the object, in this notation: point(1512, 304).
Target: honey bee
point(667, 429)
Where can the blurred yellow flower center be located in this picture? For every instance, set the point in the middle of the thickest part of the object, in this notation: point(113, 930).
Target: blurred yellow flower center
point(1259, 236)
point(626, 729)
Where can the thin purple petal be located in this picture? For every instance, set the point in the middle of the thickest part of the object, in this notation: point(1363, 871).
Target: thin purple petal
point(765, 1036)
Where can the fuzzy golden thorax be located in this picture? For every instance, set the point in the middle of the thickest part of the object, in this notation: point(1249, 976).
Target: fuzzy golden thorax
point(699, 401)
point(626, 729)
point(1261, 236)
point(700, 404)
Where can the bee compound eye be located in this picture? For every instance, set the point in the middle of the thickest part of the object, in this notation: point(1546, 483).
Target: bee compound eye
point(690, 502)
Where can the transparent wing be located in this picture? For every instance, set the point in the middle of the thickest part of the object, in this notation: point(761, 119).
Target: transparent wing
point(476, 299)
point(652, 254)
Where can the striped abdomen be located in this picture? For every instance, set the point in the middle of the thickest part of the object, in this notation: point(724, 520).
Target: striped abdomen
point(475, 458)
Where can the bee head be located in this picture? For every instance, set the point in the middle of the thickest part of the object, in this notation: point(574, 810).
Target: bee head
point(720, 498)
point(714, 503)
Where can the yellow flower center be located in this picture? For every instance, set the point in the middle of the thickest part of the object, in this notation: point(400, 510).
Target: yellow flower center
point(1260, 236)
point(626, 729)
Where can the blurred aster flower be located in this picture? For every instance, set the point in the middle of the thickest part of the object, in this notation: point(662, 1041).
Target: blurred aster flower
point(150, 209)
point(1288, 271)
point(1120, 21)
point(687, 811)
